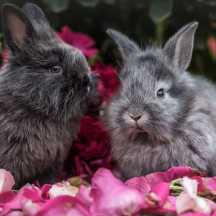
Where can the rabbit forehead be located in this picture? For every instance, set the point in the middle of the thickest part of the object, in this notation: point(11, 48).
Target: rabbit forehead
point(53, 52)
point(148, 70)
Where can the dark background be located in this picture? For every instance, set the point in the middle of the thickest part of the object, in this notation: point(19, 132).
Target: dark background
point(146, 21)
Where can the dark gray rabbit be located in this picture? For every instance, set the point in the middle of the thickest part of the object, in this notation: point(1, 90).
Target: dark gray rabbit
point(162, 116)
point(44, 90)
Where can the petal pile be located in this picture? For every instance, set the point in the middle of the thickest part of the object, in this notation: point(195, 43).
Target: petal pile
point(178, 191)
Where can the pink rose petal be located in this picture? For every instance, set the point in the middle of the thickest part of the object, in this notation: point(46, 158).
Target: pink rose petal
point(170, 174)
point(159, 193)
point(188, 200)
point(84, 196)
point(63, 188)
point(6, 181)
point(27, 193)
point(16, 213)
point(44, 191)
point(209, 184)
point(169, 208)
point(30, 208)
point(63, 205)
point(112, 197)
point(194, 214)
point(139, 183)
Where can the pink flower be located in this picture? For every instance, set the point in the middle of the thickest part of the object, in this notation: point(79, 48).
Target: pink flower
point(6, 181)
point(108, 80)
point(83, 42)
point(91, 149)
point(111, 197)
point(212, 45)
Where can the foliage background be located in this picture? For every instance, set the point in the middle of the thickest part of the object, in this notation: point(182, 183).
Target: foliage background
point(146, 21)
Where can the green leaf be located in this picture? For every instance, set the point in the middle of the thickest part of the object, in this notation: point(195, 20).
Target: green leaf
point(57, 6)
point(77, 181)
point(160, 10)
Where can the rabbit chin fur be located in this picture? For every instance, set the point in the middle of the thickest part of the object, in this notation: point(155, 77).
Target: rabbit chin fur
point(176, 125)
point(44, 91)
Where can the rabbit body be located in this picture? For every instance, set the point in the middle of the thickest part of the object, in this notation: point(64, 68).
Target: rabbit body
point(162, 116)
point(32, 146)
point(44, 90)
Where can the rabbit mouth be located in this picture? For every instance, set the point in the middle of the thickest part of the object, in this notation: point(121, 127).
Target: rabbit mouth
point(137, 132)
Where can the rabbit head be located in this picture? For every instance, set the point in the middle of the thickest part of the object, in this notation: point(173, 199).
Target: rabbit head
point(155, 92)
point(44, 74)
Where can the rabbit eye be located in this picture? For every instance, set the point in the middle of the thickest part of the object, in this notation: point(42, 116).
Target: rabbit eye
point(55, 69)
point(160, 93)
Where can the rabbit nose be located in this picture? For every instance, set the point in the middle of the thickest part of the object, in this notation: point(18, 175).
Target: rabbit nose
point(135, 117)
point(86, 80)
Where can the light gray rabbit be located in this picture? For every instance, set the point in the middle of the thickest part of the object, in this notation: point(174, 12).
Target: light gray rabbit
point(162, 116)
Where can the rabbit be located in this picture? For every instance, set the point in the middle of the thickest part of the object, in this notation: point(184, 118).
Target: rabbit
point(44, 92)
point(161, 116)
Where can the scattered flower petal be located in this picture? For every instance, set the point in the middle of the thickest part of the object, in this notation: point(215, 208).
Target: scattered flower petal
point(63, 188)
point(159, 193)
point(6, 180)
point(113, 198)
point(139, 183)
point(188, 199)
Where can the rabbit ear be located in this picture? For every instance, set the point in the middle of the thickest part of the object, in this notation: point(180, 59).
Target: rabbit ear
point(35, 14)
point(179, 47)
point(125, 45)
point(16, 27)
point(38, 20)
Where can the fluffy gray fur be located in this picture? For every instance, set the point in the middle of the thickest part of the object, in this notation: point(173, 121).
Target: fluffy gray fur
point(150, 132)
point(44, 91)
